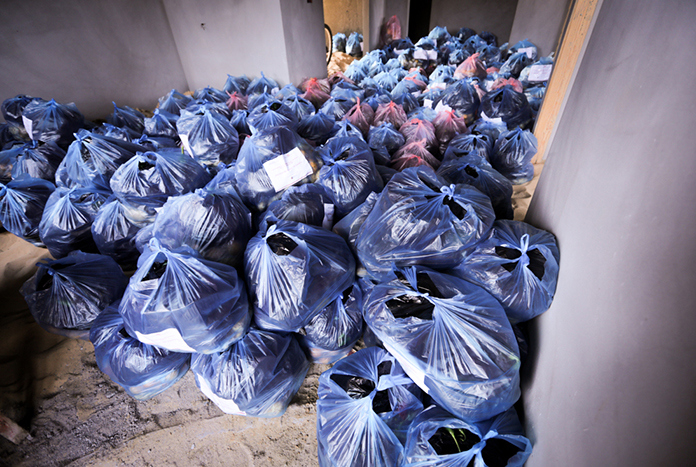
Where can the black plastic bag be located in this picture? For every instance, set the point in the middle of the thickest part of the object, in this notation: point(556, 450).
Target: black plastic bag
point(293, 271)
point(257, 376)
point(22, 203)
point(68, 293)
point(183, 303)
point(420, 219)
point(142, 370)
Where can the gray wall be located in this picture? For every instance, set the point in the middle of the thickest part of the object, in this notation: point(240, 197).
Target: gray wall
point(614, 376)
point(381, 11)
point(305, 43)
point(540, 21)
point(479, 15)
point(88, 52)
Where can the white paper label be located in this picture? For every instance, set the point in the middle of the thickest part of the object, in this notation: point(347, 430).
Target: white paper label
point(185, 142)
point(528, 50)
point(28, 125)
point(432, 54)
point(288, 169)
point(226, 405)
point(400, 51)
point(169, 339)
point(419, 54)
point(440, 107)
point(428, 103)
point(361, 47)
point(538, 73)
point(327, 222)
point(441, 86)
point(414, 373)
point(496, 120)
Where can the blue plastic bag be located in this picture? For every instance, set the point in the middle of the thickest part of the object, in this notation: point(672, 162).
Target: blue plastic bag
point(271, 161)
point(420, 219)
point(236, 84)
point(51, 121)
point(257, 376)
point(114, 229)
point(261, 85)
point(332, 333)
point(207, 136)
point(339, 42)
point(38, 160)
point(348, 174)
point(300, 107)
point(67, 220)
point(349, 227)
point(317, 127)
point(69, 293)
point(150, 178)
point(465, 145)
point(210, 94)
point(173, 102)
point(336, 107)
point(451, 337)
point(271, 114)
point(364, 408)
point(508, 104)
point(514, 65)
point(93, 156)
point(13, 107)
point(162, 123)
point(308, 203)
point(460, 96)
point(473, 169)
point(518, 265)
point(22, 203)
point(354, 44)
point(215, 223)
point(439, 439)
point(513, 155)
point(107, 129)
point(293, 271)
point(129, 119)
point(387, 136)
point(142, 370)
point(183, 303)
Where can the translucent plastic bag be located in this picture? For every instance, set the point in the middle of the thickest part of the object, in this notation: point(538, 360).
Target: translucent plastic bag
point(317, 127)
point(162, 123)
point(332, 333)
point(129, 119)
point(350, 225)
point(257, 376)
point(150, 178)
point(309, 204)
point(270, 115)
point(173, 102)
point(93, 156)
point(183, 303)
point(390, 113)
point(336, 107)
point(473, 169)
point(440, 35)
point(518, 265)
point(142, 370)
point(300, 107)
point(354, 44)
point(210, 94)
point(67, 220)
point(271, 161)
point(439, 439)
point(293, 271)
point(107, 129)
point(513, 155)
point(207, 136)
point(236, 84)
point(262, 84)
point(216, 224)
point(385, 135)
point(38, 160)
point(339, 42)
point(69, 293)
point(508, 104)
point(416, 129)
point(461, 97)
point(22, 203)
point(348, 174)
point(419, 219)
point(51, 121)
point(361, 116)
point(451, 337)
point(466, 144)
point(472, 67)
point(448, 125)
point(236, 101)
point(239, 122)
point(414, 154)
point(114, 229)
point(13, 107)
point(365, 405)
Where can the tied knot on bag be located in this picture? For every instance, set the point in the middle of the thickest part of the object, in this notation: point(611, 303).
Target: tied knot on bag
point(448, 190)
point(524, 246)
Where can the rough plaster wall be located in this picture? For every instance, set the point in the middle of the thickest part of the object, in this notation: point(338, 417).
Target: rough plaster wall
point(88, 52)
point(344, 16)
point(613, 379)
point(540, 21)
point(479, 15)
point(219, 37)
point(303, 27)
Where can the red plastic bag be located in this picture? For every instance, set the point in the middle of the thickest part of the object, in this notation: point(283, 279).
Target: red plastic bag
point(390, 31)
point(472, 67)
point(361, 116)
point(500, 82)
point(447, 126)
point(414, 154)
point(391, 113)
point(236, 101)
point(417, 129)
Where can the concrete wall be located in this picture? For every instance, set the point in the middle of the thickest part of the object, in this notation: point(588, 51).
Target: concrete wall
point(88, 52)
point(613, 377)
point(305, 43)
point(480, 15)
point(540, 21)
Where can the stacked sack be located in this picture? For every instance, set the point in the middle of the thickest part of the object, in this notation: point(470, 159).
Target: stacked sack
point(267, 227)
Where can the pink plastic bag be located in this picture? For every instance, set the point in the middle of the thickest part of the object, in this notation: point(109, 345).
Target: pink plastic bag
point(390, 31)
point(417, 129)
point(472, 67)
point(447, 126)
point(361, 116)
point(236, 101)
point(391, 113)
point(414, 154)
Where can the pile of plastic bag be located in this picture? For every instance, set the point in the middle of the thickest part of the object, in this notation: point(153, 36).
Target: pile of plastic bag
point(264, 227)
